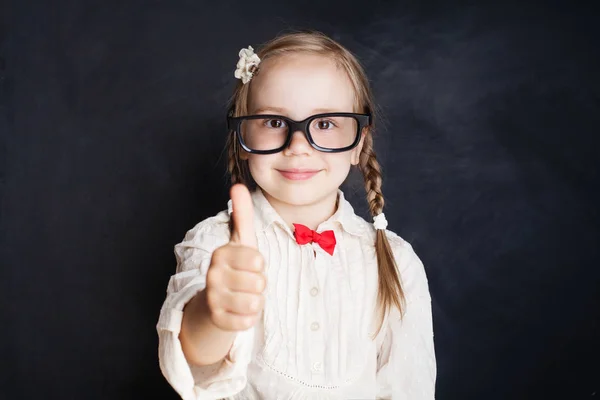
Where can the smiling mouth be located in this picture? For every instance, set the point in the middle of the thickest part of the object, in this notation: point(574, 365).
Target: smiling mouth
point(298, 174)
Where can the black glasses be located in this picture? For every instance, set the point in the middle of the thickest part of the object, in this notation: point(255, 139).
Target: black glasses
point(329, 132)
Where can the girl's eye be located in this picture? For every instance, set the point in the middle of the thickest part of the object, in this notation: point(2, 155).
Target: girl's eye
point(275, 123)
point(325, 124)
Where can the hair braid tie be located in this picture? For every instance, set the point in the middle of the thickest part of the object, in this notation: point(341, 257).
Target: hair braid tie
point(379, 221)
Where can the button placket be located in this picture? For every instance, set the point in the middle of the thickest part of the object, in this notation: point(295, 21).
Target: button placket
point(315, 340)
point(316, 346)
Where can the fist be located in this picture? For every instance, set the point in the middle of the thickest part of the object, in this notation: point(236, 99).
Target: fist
point(235, 281)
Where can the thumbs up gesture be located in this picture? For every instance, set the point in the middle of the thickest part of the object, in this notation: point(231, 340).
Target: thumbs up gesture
point(235, 280)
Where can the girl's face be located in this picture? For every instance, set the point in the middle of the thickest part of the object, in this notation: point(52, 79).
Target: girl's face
point(298, 86)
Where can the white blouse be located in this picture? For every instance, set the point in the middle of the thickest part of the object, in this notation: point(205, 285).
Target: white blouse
point(314, 340)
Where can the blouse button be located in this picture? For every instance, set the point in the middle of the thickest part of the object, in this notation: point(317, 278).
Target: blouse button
point(317, 366)
point(314, 326)
point(314, 291)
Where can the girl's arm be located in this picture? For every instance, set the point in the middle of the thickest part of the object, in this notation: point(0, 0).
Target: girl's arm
point(202, 342)
point(232, 299)
point(190, 380)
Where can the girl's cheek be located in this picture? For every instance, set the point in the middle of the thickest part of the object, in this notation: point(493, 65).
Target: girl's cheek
point(341, 161)
point(259, 164)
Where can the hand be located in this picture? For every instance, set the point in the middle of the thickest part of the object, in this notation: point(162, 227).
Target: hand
point(235, 280)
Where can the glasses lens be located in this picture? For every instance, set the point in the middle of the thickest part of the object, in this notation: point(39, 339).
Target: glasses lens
point(264, 133)
point(334, 132)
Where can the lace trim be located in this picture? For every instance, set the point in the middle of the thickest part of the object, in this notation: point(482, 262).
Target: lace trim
point(328, 387)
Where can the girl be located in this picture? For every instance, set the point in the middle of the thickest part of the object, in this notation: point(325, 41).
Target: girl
point(289, 294)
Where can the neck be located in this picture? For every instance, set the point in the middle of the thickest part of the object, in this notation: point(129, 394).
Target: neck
point(310, 215)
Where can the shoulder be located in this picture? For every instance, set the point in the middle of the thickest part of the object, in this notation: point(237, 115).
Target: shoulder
point(217, 225)
point(206, 235)
point(403, 250)
point(410, 267)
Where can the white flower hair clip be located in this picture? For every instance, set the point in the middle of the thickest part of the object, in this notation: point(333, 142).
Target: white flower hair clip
point(247, 66)
point(379, 221)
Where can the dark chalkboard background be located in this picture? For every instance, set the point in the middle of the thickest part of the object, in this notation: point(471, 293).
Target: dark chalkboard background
point(112, 131)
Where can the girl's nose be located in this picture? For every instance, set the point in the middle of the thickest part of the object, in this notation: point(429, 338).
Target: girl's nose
point(298, 145)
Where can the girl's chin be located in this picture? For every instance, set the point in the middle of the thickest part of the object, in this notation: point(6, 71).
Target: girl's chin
point(294, 196)
point(297, 196)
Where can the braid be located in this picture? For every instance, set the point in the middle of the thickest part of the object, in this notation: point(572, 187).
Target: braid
point(372, 175)
point(390, 289)
point(233, 163)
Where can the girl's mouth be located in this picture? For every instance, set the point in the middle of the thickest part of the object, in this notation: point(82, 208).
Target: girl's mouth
point(298, 174)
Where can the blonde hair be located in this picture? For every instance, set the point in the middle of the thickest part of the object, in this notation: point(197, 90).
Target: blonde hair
point(390, 289)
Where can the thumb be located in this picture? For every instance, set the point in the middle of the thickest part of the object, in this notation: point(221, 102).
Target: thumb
point(243, 216)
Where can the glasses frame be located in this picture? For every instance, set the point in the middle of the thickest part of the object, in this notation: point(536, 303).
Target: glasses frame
point(234, 124)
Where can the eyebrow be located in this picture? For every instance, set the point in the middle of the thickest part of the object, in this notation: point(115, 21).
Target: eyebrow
point(283, 111)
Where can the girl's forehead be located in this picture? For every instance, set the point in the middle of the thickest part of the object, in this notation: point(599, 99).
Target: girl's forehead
point(301, 83)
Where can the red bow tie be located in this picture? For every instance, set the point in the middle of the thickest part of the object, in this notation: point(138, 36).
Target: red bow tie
point(325, 239)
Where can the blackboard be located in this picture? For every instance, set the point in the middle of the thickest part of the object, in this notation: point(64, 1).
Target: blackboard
point(112, 122)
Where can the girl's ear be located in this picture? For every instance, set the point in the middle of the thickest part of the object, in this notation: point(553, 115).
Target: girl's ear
point(355, 156)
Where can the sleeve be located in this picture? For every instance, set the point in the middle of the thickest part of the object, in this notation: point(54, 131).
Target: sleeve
point(217, 381)
point(406, 362)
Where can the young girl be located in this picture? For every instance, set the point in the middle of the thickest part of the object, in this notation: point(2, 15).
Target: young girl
point(295, 296)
